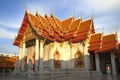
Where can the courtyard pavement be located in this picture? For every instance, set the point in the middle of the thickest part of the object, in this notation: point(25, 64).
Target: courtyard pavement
point(105, 77)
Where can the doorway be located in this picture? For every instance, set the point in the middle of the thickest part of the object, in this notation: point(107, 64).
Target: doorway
point(92, 61)
point(105, 61)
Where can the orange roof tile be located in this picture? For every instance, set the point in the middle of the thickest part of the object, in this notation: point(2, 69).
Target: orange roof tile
point(52, 24)
point(57, 21)
point(95, 42)
point(67, 23)
point(44, 23)
point(34, 20)
point(110, 37)
point(74, 25)
point(54, 29)
point(94, 38)
point(109, 42)
point(85, 25)
point(21, 30)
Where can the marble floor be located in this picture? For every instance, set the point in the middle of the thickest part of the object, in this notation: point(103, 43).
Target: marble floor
point(7, 76)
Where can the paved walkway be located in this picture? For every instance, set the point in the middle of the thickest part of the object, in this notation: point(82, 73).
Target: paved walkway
point(106, 77)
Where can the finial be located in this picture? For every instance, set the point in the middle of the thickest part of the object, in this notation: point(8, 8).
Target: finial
point(36, 11)
point(102, 31)
point(45, 12)
point(81, 13)
point(26, 8)
point(51, 11)
point(73, 13)
point(92, 14)
point(80, 18)
point(116, 31)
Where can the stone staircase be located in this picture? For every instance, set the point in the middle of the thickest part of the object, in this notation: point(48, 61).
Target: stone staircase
point(95, 73)
point(68, 72)
point(61, 73)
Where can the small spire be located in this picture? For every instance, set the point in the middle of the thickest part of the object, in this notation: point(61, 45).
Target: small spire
point(92, 15)
point(51, 11)
point(102, 31)
point(116, 31)
point(26, 8)
point(81, 13)
point(37, 11)
point(73, 13)
point(80, 18)
point(45, 12)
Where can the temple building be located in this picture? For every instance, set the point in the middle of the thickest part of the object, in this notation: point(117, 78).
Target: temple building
point(7, 62)
point(70, 46)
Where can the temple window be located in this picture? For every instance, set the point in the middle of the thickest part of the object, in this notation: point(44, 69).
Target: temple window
point(57, 63)
point(79, 63)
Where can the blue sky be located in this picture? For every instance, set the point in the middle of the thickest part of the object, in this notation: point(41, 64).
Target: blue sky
point(106, 14)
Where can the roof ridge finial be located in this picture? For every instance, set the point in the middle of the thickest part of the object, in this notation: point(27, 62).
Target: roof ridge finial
point(116, 31)
point(81, 13)
point(45, 12)
point(73, 14)
point(26, 8)
point(102, 31)
point(37, 11)
point(51, 11)
point(92, 15)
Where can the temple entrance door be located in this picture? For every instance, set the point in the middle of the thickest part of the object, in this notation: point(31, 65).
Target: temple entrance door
point(92, 61)
point(105, 60)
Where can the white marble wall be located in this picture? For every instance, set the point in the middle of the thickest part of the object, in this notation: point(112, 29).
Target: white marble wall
point(66, 51)
point(31, 51)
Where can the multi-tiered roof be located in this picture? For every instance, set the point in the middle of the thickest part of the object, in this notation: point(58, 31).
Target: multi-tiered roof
point(70, 29)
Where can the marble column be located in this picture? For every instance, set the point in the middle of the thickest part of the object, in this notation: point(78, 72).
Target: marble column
point(113, 64)
point(36, 55)
point(97, 62)
point(20, 57)
point(41, 56)
point(20, 52)
point(86, 57)
point(23, 54)
point(51, 57)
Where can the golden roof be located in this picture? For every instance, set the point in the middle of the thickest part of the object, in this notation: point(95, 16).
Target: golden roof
point(99, 43)
point(66, 24)
point(95, 42)
point(53, 29)
point(109, 42)
point(70, 29)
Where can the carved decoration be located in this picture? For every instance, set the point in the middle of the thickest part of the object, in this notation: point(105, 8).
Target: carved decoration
point(79, 59)
point(57, 63)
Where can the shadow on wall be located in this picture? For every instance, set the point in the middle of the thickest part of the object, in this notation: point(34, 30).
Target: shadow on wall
point(54, 64)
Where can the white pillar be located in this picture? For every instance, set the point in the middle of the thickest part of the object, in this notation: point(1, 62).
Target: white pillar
point(20, 52)
point(36, 54)
point(20, 57)
point(41, 56)
point(51, 57)
point(86, 57)
point(113, 64)
point(97, 62)
point(23, 54)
